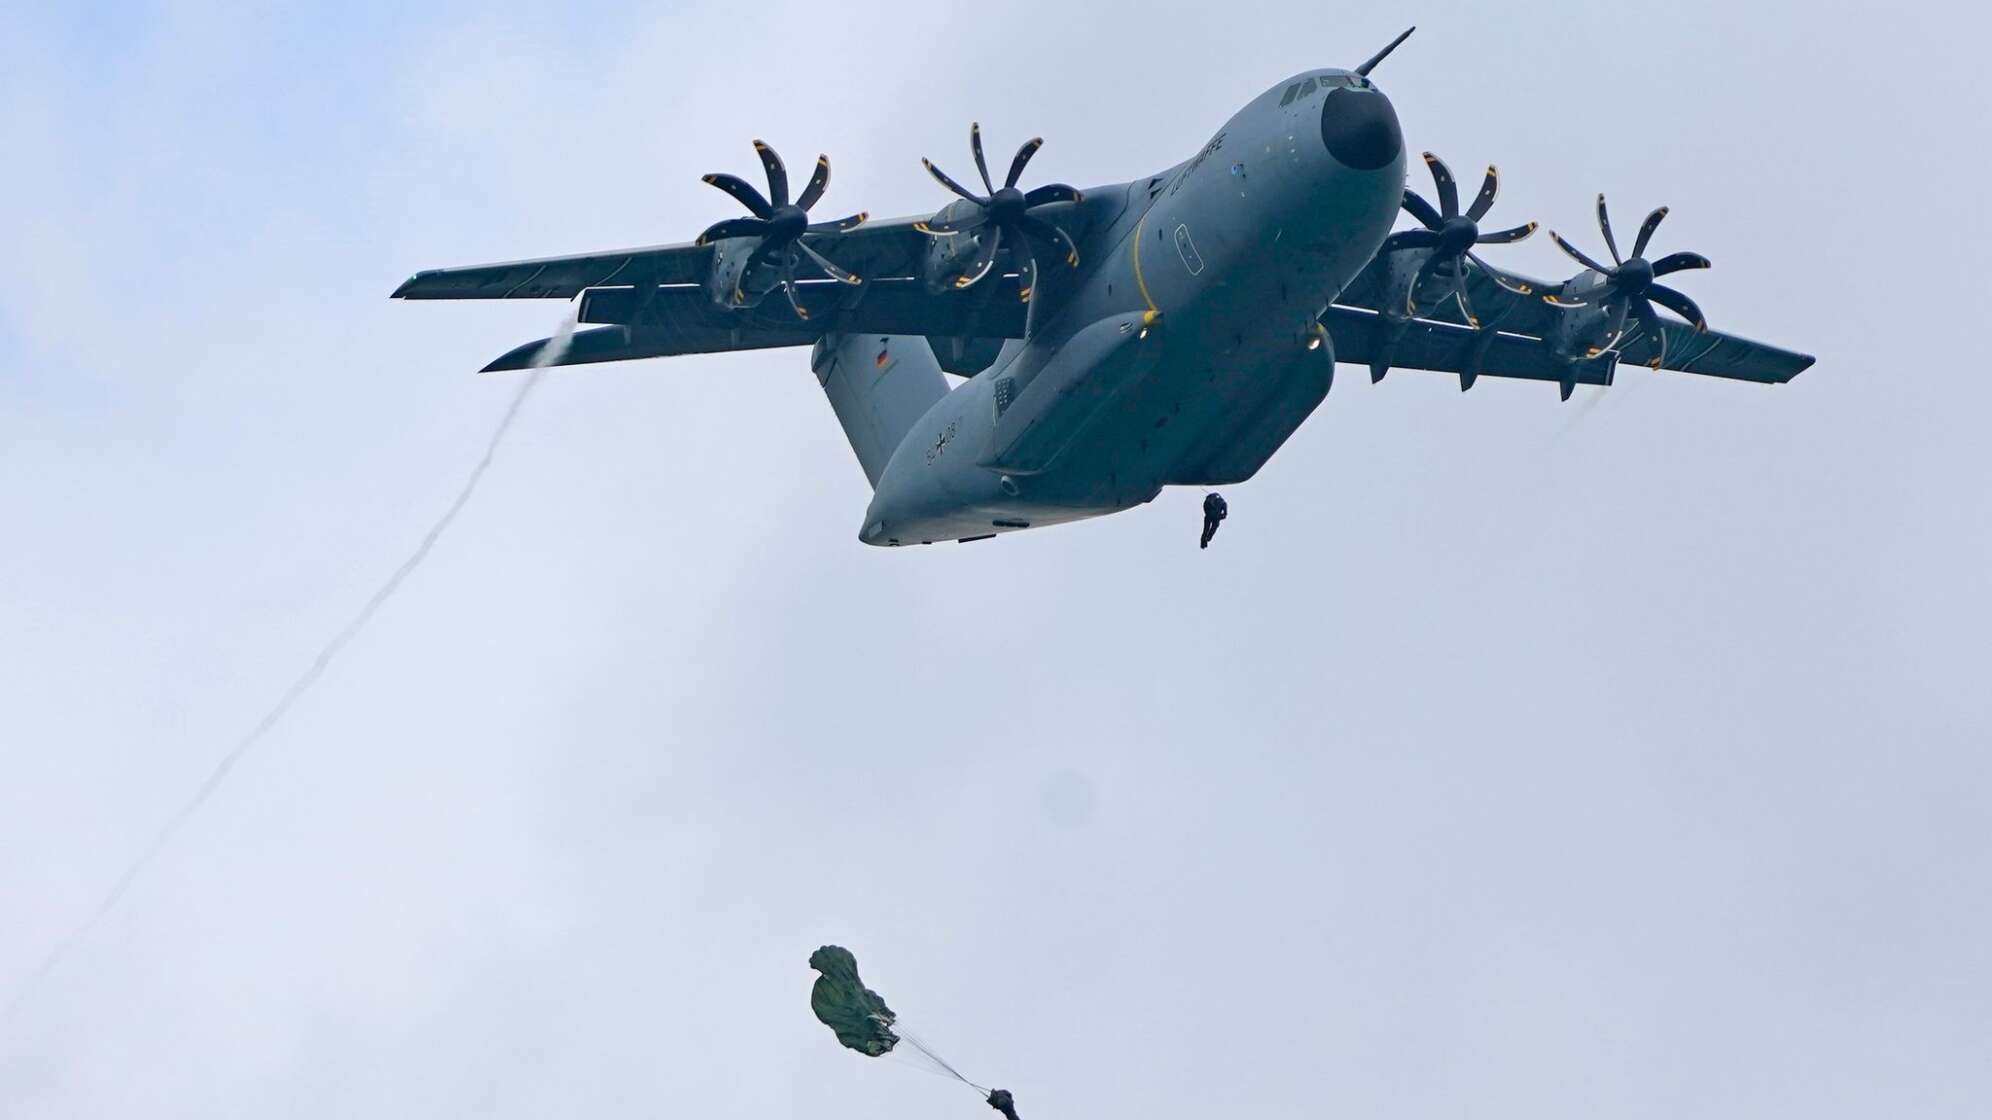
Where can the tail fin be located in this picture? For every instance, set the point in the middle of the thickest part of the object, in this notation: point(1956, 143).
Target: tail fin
point(880, 386)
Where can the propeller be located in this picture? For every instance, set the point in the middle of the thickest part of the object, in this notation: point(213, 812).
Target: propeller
point(780, 224)
point(1451, 236)
point(1005, 214)
point(1631, 284)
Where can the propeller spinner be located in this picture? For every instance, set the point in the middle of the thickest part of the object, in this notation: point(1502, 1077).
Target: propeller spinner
point(1629, 289)
point(1005, 211)
point(779, 225)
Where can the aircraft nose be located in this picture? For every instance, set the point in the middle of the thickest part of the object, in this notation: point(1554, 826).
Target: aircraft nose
point(1359, 126)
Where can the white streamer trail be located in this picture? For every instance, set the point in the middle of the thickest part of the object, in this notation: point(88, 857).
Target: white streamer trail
point(555, 349)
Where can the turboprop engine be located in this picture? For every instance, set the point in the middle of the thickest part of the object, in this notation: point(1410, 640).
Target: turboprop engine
point(969, 235)
point(754, 256)
point(1606, 300)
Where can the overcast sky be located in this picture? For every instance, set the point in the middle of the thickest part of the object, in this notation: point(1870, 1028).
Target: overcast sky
point(1625, 758)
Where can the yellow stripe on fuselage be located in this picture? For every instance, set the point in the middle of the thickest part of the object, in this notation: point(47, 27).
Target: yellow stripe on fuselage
point(1139, 280)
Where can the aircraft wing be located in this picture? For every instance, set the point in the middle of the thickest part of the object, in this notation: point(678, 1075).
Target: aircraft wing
point(681, 319)
point(1525, 321)
point(875, 250)
point(1359, 335)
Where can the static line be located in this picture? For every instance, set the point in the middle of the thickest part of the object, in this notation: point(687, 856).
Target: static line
point(555, 349)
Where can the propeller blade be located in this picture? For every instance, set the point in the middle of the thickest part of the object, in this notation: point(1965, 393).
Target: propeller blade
point(1039, 230)
point(1442, 176)
point(763, 252)
point(1026, 277)
point(1024, 155)
point(1679, 304)
point(1515, 287)
point(1577, 254)
point(1507, 236)
point(1680, 262)
point(1460, 296)
point(1649, 325)
point(1618, 326)
point(1652, 223)
point(1050, 193)
point(819, 181)
point(1559, 299)
point(950, 184)
point(732, 227)
point(795, 300)
point(947, 227)
point(1489, 187)
point(1406, 239)
point(841, 225)
point(1425, 272)
point(828, 266)
point(985, 259)
point(981, 164)
point(778, 178)
point(1418, 208)
point(743, 192)
point(1605, 225)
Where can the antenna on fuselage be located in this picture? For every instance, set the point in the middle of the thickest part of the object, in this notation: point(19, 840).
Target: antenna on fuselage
point(1366, 67)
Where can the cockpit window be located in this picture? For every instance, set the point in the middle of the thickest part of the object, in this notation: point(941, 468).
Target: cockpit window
point(1314, 83)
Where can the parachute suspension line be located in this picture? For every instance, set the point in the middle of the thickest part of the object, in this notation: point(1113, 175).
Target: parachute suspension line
point(864, 1023)
point(905, 1058)
point(910, 1038)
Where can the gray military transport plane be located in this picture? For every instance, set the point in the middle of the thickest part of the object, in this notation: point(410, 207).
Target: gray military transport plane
point(1169, 331)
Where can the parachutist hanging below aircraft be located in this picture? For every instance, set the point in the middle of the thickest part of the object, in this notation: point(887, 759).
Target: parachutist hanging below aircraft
point(1171, 330)
point(1214, 511)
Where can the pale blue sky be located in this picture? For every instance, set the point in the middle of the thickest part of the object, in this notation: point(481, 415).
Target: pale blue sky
point(1621, 758)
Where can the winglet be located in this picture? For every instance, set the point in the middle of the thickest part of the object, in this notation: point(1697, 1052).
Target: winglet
point(1366, 67)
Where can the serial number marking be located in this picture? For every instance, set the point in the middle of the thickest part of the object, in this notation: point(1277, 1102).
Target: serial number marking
point(941, 442)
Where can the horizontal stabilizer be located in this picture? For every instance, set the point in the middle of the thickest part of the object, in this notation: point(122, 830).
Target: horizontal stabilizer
point(605, 344)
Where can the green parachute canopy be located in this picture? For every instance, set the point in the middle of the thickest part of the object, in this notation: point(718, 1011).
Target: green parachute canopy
point(861, 1019)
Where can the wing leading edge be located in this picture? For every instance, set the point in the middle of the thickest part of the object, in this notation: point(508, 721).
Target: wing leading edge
point(876, 250)
point(1359, 336)
point(1526, 322)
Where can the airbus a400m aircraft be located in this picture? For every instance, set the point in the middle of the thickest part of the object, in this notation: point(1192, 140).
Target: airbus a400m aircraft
point(1174, 330)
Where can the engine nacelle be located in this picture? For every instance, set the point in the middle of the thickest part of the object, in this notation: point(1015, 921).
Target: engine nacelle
point(1400, 271)
point(947, 257)
point(729, 283)
point(1583, 331)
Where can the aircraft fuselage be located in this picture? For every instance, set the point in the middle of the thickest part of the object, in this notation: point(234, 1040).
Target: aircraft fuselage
point(1185, 351)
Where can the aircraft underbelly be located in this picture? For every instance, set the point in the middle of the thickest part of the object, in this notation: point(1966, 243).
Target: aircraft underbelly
point(1238, 376)
point(1200, 417)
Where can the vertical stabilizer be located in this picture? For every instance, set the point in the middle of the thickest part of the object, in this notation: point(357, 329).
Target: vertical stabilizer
point(880, 386)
